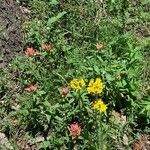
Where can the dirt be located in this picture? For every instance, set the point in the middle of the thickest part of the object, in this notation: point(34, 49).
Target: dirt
point(143, 143)
point(10, 31)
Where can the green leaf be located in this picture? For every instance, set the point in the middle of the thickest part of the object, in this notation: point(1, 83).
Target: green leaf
point(54, 2)
point(47, 104)
point(41, 92)
point(109, 77)
point(88, 109)
point(23, 112)
point(71, 100)
point(96, 69)
point(45, 144)
point(56, 18)
point(58, 118)
point(48, 117)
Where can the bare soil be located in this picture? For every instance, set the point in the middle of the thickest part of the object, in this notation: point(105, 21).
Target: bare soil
point(10, 31)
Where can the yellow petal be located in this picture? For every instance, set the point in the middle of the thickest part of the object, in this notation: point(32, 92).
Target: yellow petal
point(82, 82)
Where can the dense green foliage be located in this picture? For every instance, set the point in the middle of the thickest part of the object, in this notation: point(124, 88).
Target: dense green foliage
point(89, 39)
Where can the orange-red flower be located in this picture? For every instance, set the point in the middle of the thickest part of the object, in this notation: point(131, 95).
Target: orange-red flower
point(99, 45)
point(31, 88)
point(74, 129)
point(65, 91)
point(47, 47)
point(30, 51)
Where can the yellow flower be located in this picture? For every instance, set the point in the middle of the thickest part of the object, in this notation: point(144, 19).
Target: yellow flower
point(91, 82)
point(99, 105)
point(77, 84)
point(95, 87)
point(82, 83)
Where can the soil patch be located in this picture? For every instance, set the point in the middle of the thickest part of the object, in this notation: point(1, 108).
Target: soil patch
point(10, 31)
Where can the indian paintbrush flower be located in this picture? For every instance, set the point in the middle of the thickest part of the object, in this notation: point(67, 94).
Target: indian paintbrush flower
point(47, 47)
point(74, 129)
point(30, 51)
point(31, 88)
point(64, 91)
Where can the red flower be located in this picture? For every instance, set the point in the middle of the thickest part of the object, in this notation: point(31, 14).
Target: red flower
point(65, 91)
point(31, 88)
point(74, 129)
point(47, 47)
point(30, 51)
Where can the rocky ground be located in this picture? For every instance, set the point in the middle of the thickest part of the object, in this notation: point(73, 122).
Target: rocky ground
point(10, 30)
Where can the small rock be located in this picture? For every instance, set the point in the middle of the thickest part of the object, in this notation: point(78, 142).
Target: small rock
point(119, 118)
point(125, 139)
point(24, 10)
point(15, 107)
point(4, 143)
point(36, 140)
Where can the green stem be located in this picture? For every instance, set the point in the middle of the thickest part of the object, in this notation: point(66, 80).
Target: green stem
point(61, 77)
point(100, 132)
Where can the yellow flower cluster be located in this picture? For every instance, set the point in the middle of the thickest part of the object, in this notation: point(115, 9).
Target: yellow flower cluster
point(77, 84)
point(99, 105)
point(95, 87)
